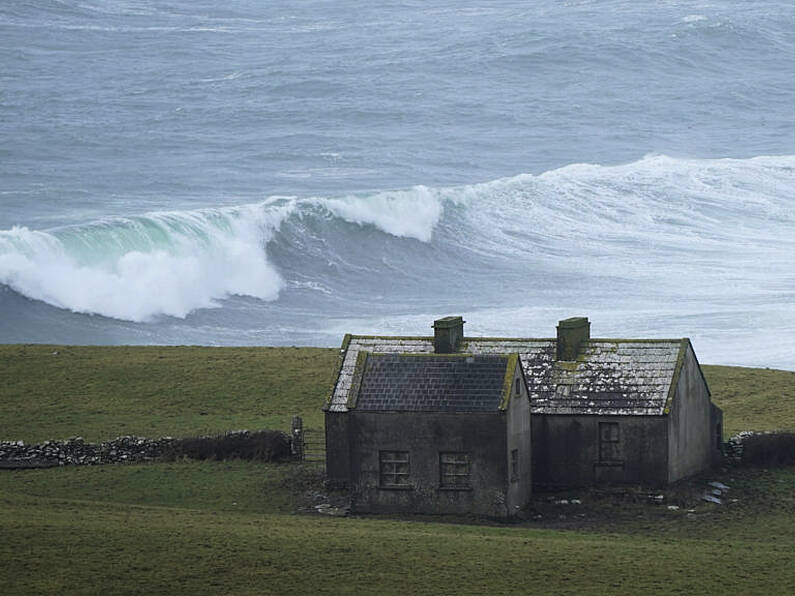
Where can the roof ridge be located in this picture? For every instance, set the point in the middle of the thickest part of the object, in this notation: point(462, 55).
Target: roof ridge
point(519, 339)
point(619, 375)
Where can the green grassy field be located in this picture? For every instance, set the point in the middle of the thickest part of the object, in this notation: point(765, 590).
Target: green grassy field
point(202, 528)
point(753, 398)
point(54, 392)
point(231, 527)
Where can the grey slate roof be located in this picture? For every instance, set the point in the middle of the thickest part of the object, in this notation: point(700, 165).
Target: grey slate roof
point(426, 383)
point(611, 376)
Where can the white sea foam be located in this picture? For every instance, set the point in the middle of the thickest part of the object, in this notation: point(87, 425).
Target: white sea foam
point(135, 269)
point(658, 247)
point(410, 213)
point(644, 217)
point(641, 247)
point(172, 263)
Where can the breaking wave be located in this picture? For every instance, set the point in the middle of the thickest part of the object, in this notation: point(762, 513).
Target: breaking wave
point(718, 225)
point(171, 263)
point(136, 268)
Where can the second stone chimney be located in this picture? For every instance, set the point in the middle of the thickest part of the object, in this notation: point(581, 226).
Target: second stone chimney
point(572, 333)
point(447, 334)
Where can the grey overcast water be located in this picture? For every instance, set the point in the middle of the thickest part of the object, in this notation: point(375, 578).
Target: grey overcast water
point(280, 173)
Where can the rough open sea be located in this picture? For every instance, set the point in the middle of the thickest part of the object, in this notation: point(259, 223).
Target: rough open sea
point(280, 173)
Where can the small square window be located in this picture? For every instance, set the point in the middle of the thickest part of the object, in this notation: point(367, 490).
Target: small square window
point(394, 469)
point(454, 471)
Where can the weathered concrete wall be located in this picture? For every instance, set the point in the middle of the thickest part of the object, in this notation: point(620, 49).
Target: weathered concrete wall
point(337, 449)
point(519, 439)
point(565, 451)
point(691, 436)
point(424, 436)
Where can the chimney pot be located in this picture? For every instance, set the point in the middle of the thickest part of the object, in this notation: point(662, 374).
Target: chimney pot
point(447, 334)
point(572, 333)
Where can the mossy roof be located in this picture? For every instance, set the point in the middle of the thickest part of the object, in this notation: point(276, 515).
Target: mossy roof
point(610, 377)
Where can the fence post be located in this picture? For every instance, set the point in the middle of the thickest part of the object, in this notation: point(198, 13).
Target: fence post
point(297, 435)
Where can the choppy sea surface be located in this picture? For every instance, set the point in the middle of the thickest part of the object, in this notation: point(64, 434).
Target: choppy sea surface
point(280, 173)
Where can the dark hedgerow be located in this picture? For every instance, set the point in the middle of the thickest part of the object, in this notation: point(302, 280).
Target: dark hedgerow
point(769, 449)
point(263, 445)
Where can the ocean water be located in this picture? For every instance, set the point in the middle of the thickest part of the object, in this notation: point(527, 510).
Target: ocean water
point(280, 173)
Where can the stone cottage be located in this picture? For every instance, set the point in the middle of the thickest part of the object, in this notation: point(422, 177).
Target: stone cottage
point(597, 411)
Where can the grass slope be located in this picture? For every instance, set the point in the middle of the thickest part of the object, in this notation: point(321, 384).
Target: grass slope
point(225, 528)
point(229, 527)
point(753, 398)
point(54, 392)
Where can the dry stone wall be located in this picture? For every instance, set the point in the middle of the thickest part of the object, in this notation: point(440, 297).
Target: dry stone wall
point(264, 445)
point(76, 451)
point(733, 448)
point(763, 449)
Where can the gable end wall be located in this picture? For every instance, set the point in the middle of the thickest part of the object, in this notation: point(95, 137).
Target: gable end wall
point(689, 423)
point(519, 439)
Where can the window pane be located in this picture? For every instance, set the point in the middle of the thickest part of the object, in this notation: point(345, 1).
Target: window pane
point(454, 470)
point(394, 468)
point(608, 431)
point(609, 441)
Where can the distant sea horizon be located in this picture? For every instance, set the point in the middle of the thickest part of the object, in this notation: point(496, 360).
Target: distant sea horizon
point(277, 174)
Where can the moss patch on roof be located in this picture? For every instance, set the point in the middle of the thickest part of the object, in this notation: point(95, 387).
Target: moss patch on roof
point(510, 368)
point(610, 376)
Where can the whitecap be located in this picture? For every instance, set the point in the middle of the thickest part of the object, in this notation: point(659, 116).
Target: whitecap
point(168, 263)
point(412, 213)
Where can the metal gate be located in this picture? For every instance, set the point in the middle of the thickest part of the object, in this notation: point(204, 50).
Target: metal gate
point(309, 444)
point(315, 446)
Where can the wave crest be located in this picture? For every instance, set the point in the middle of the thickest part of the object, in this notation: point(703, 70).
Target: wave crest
point(410, 213)
point(658, 218)
point(135, 269)
point(172, 263)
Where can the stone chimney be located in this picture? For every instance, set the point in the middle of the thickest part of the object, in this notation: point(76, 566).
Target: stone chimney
point(447, 334)
point(571, 335)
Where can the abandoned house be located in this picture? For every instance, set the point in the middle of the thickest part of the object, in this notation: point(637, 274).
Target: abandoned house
point(455, 424)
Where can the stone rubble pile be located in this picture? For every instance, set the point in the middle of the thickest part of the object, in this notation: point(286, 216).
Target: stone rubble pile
point(76, 451)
